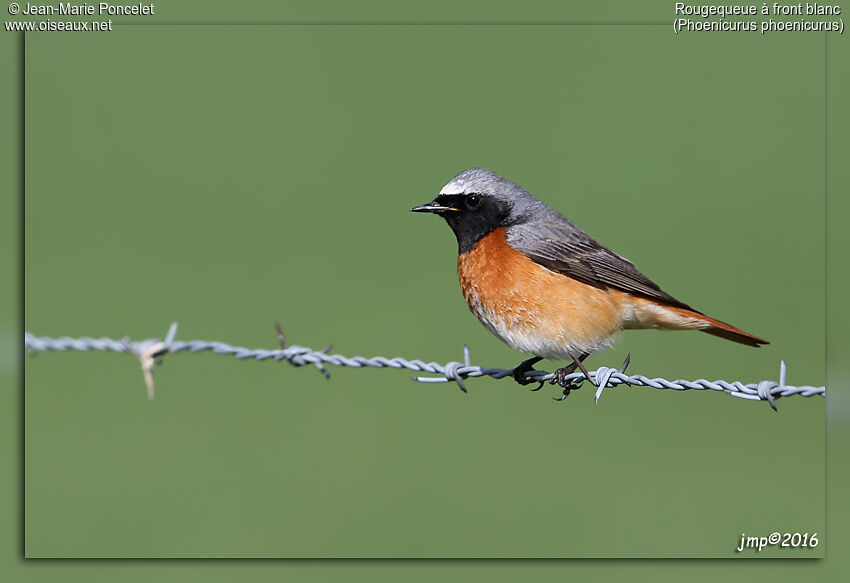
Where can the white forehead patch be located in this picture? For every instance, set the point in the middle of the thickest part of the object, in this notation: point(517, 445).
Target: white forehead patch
point(453, 187)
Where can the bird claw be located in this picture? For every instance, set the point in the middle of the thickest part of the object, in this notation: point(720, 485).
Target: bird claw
point(520, 378)
point(562, 397)
point(559, 377)
point(524, 367)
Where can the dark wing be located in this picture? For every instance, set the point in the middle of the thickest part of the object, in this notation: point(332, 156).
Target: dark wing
point(560, 245)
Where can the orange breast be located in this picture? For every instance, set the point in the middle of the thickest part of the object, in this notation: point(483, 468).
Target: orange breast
point(533, 309)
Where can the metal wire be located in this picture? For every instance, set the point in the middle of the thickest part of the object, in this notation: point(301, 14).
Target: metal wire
point(149, 352)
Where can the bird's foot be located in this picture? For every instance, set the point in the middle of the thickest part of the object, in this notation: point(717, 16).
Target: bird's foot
point(565, 394)
point(524, 367)
point(559, 377)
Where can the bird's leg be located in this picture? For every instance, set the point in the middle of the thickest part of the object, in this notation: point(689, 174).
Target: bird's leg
point(524, 367)
point(560, 375)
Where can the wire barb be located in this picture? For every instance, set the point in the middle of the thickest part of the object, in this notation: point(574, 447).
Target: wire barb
point(454, 370)
point(604, 375)
point(150, 352)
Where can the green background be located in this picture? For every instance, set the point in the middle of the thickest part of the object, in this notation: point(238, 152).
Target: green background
point(228, 177)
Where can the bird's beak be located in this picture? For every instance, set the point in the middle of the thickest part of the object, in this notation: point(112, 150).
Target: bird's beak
point(432, 207)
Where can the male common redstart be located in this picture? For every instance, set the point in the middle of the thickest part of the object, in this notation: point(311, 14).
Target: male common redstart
point(544, 286)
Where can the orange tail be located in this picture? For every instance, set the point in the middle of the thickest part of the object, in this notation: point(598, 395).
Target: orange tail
point(723, 330)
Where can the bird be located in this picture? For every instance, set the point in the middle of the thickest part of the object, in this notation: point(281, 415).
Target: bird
point(544, 286)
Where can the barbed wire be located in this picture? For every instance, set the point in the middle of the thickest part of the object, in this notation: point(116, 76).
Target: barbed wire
point(151, 351)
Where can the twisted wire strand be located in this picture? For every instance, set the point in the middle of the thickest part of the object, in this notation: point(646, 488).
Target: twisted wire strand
point(151, 351)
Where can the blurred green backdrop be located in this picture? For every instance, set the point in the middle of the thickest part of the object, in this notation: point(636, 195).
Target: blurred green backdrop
point(228, 177)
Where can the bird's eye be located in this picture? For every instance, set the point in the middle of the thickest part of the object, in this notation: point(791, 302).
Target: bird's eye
point(473, 201)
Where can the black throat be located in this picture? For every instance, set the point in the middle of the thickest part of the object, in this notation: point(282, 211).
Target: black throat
point(472, 226)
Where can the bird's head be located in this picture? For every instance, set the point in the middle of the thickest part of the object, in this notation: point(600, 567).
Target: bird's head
point(477, 201)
